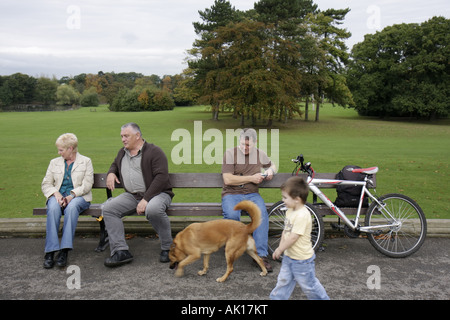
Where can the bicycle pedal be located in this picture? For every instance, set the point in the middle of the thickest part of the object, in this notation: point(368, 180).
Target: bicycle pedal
point(336, 226)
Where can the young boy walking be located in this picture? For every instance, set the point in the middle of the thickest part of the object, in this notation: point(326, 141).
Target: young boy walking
point(298, 260)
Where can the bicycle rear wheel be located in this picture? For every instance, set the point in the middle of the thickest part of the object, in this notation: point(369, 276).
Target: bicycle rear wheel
point(277, 215)
point(405, 225)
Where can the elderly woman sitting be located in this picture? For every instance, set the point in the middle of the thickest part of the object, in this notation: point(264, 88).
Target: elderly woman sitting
point(67, 186)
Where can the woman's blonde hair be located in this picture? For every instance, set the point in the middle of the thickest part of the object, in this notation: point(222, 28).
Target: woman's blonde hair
point(67, 140)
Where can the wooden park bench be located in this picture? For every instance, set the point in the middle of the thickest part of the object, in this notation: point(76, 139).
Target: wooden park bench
point(198, 180)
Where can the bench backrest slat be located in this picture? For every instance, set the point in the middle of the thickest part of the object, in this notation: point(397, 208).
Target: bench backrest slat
point(100, 180)
point(214, 180)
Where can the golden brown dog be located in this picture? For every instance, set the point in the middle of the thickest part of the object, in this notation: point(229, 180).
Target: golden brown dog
point(208, 237)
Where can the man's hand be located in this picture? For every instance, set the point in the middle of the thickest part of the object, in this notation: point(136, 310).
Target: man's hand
point(111, 180)
point(257, 178)
point(269, 174)
point(140, 209)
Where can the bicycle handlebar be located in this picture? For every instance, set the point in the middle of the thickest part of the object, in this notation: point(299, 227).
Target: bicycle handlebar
point(299, 159)
point(304, 167)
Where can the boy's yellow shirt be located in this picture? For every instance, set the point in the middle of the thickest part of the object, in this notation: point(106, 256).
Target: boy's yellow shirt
point(299, 222)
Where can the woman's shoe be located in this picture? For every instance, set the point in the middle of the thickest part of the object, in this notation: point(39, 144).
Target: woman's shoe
point(48, 260)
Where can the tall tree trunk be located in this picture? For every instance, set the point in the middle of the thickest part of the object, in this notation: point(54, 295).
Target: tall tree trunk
point(286, 115)
point(270, 120)
point(317, 110)
point(318, 102)
point(253, 119)
point(306, 108)
point(215, 112)
point(242, 120)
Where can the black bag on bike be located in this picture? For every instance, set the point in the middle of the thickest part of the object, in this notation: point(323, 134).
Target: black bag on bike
point(348, 195)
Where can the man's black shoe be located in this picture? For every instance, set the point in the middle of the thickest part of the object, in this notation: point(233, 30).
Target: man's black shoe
point(164, 256)
point(119, 258)
point(48, 260)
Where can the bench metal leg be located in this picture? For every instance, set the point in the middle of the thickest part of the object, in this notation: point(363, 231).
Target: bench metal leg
point(104, 240)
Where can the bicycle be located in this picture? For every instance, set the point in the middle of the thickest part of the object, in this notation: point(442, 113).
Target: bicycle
point(395, 225)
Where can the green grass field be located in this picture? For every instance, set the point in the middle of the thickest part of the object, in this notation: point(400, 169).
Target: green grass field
point(413, 156)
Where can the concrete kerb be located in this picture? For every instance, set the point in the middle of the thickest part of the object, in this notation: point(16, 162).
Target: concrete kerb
point(35, 227)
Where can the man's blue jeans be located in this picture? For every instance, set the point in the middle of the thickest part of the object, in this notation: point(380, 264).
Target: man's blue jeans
point(261, 234)
point(71, 213)
point(301, 272)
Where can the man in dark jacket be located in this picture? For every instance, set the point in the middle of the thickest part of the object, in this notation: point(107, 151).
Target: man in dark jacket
point(142, 169)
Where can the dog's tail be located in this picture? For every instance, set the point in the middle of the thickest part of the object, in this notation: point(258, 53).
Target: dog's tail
point(253, 211)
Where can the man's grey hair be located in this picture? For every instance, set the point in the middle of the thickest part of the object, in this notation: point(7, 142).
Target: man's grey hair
point(248, 133)
point(134, 126)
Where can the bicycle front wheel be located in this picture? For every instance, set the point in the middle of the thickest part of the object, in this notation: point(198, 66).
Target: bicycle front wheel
point(402, 225)
point(277, 215)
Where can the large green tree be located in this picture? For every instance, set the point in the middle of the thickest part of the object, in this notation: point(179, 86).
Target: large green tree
point(66, 95)
point(206, 69)
point(262, 62)
point(289, 19)
point(287, 13)
point(252, 79)
point(326, 58)
point(17, 88)
point(403, 70)
point(45, 91)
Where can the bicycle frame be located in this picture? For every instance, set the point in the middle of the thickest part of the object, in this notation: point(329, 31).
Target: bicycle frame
point(312, 184)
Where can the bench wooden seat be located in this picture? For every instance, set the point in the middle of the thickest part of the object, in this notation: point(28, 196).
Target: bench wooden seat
point(198, 180)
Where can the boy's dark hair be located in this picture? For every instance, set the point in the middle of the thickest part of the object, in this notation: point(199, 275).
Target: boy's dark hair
point(296, 187)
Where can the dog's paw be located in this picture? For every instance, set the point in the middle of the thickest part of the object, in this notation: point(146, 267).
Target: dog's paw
point(263, 273)
point(179, 273)
point(202, 272)
point(221, 279)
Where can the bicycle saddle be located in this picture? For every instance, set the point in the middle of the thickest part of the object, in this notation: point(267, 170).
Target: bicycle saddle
point(371, 170)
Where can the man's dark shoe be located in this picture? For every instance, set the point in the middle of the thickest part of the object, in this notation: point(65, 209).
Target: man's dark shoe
point(119, 258)
point(267, 264)
point(61, 260)
point(164, 256)
point(48, 260)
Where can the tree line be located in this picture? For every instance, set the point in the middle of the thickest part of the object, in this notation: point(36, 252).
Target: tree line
point(149, 92)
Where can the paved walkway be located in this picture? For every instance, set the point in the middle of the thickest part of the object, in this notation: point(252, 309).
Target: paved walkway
point(348, 269)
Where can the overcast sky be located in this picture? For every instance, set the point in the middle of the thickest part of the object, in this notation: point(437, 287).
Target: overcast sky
point(66, 38)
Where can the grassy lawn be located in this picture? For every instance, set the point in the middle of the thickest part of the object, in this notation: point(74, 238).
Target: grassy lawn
point(413, 156)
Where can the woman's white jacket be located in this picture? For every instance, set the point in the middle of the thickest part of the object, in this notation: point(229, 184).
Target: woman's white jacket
point(82, 177)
